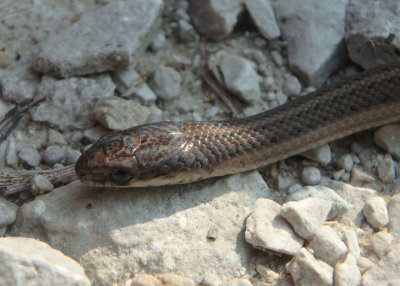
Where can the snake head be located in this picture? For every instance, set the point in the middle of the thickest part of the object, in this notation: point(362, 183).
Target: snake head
point(144, 155)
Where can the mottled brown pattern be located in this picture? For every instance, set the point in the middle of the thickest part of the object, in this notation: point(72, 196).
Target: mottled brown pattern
point(171, 153)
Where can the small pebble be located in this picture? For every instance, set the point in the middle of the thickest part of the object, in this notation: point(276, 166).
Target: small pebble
point(30, 156)
point(376, 212)
point(388, 138)
point(40, 185)
point(291, 86)
point(320, 154)
point(359, 176)
point(346, 162)
point(53, 154)
point(311, 175)
point(55, 137)
point(347, 272)
point(387, 170)
point(381, 242)
point(166, 83)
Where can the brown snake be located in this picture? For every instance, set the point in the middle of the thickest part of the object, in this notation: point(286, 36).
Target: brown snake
point(173, 153)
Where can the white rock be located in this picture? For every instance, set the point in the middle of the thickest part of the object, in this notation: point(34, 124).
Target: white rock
point(8, 212)
point(40, 185)
point(30, 156)
point(54, 154)
point(186, 31)
point(166, 82)
point(387, 170)
point(239, 282)
point(306, 216)
point(394, 218)
point(266, 229)
point(376, 212)
point(339, 206)
point(351, 241)
point(327, 246)
point(347, 273)
point(26, 261)
point(346, 162)
point(311, 175)
point(241, 78)
point(291, 86)
point(119, 114)
point(306, 270)
point(386, 272)
point(153, 230)
point(263, 16)
point(117, 34)
point(364, 264)
point(320, 154)
point(55, 138)
point(387, 137)
point(215, 19)
point(314, 32)
point(381, 241)
point(360, 176)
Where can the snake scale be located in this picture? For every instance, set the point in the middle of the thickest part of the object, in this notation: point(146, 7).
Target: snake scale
point(181, 152)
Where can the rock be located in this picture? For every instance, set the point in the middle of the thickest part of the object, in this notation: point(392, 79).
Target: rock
point(27, 261)
point(306, 270)
point(381, 241)
point(108, 38)
point(30, 156)
point(40, 185)
point(360, 176)
point(239, 282)
point(346, 162)
point(347, 273)
point(267, 230)
point(386, 272)
point(311, 175)
point(387, 170)
point(186, 31)
point(394, 218)
point(119, 114)
point(153, 230)
point(387, 137)
point(54, 154)
point(71, 156)
point(70, 101)
point(351, 241)
point(314, 31)
point(264, 18)
point(376, 212)
point(166, 83)
point(372, 32)
point(240, 78)
point(291, 86)
point(339, 206)
point(55, 137)
point(161, 279)
point(327, 246)
point(19, 84)
point(364, 264)
point(215, 19)
point(8, 212)
point(306, 216)
point(320, 154)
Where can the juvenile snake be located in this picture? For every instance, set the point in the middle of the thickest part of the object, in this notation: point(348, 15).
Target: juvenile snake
point(173, 153)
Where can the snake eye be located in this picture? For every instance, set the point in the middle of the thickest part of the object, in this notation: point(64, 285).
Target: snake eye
point(120, 177)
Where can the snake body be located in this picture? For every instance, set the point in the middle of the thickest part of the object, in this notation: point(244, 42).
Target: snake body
point(181, 152)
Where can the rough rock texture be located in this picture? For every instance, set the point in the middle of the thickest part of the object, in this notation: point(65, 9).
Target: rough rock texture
point(387, 137)
point(26, 261)
point(394, 219)
point(108, 38)
point(306, 216)
point(215, 19)
point(70, 102)
point(156, 230)
point(8, 212)
point(263, 16)
point(306, 270)
point(166, 82)
point(372, 32)
point(347, 273)
point(314, 31)
point(266, 229)
point(376, 212)
point(320, 154)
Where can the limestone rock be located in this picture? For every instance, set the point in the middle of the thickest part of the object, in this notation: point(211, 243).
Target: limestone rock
point(347, 273)
point(263, 16)
point(376, 212)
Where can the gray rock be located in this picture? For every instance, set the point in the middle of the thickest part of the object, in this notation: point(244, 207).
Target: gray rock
point(360, 176)
point(306, 270)
point(40, 185)
point(314, 31)
point(376, 212)
point(142, 227)
point(327, 246)
point(108, 38)
point(381, 242)
point(388, 137)
point(166, 82)
point(311, 175)
point(55, 137)
point(241, 78)
point(263, 16)
point(186, 31)
point(347, 273)
point(320, 154)
point(30, 156)
point(372, 32)
point(8, 212)
point(27, 261)
point(346, 162)
point(306, 216)
point(70, 101)
point(394, 218)
point(19, 84)
point(387, 170)
point(119, 114)
point(291, 86)
point(339, 205)
point(215, 19)
point(267, 230)
point(71, 156)
point(54, 154)
point(351, 241)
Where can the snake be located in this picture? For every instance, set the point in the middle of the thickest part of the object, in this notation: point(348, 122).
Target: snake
point(165, 153)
